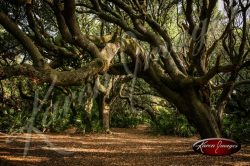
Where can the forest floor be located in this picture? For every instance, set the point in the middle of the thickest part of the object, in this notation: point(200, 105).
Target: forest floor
point(136, 147)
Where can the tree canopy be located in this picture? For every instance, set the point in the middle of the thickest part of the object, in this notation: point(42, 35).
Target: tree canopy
point(192, 53)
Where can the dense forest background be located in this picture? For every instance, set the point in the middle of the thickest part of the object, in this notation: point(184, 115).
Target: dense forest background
point(181, 67)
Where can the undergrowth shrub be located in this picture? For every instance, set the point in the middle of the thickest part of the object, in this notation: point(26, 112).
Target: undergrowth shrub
point(237, 128)
point(127, 119)
point(172, 123)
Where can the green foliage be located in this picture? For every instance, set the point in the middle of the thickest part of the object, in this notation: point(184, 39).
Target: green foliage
point(59, 111)
point(237, 128)
point(236, 120)
point(95, 120)
point(172, 123)
point(56, 121)
point(13, 121)
point(237, 113)
point(21, 121)
point(85, 124)
point(126, 119)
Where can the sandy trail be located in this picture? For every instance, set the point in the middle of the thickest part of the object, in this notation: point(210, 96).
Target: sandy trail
point(124, 147)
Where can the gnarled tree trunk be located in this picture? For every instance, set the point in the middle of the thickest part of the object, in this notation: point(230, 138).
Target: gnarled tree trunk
point(103, 101)
point(200, 115)
point(88, 109)
point(104, 111)
point(190, 102)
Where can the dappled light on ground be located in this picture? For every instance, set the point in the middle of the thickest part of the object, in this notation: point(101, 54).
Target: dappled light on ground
point(123, 147)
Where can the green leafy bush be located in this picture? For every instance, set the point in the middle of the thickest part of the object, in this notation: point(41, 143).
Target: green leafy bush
point(237, 128)
point(172, 123)
point(237, 113)
point(22, 121)
point(13, 121)
point(126, 119)
point(82, 122)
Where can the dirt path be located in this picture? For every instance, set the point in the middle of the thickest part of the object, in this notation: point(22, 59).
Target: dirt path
point(124, 147)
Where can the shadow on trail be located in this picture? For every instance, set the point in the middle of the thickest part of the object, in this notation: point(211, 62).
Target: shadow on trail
point(123, 147)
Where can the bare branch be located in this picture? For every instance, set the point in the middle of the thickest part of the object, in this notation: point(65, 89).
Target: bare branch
point(27, 43)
